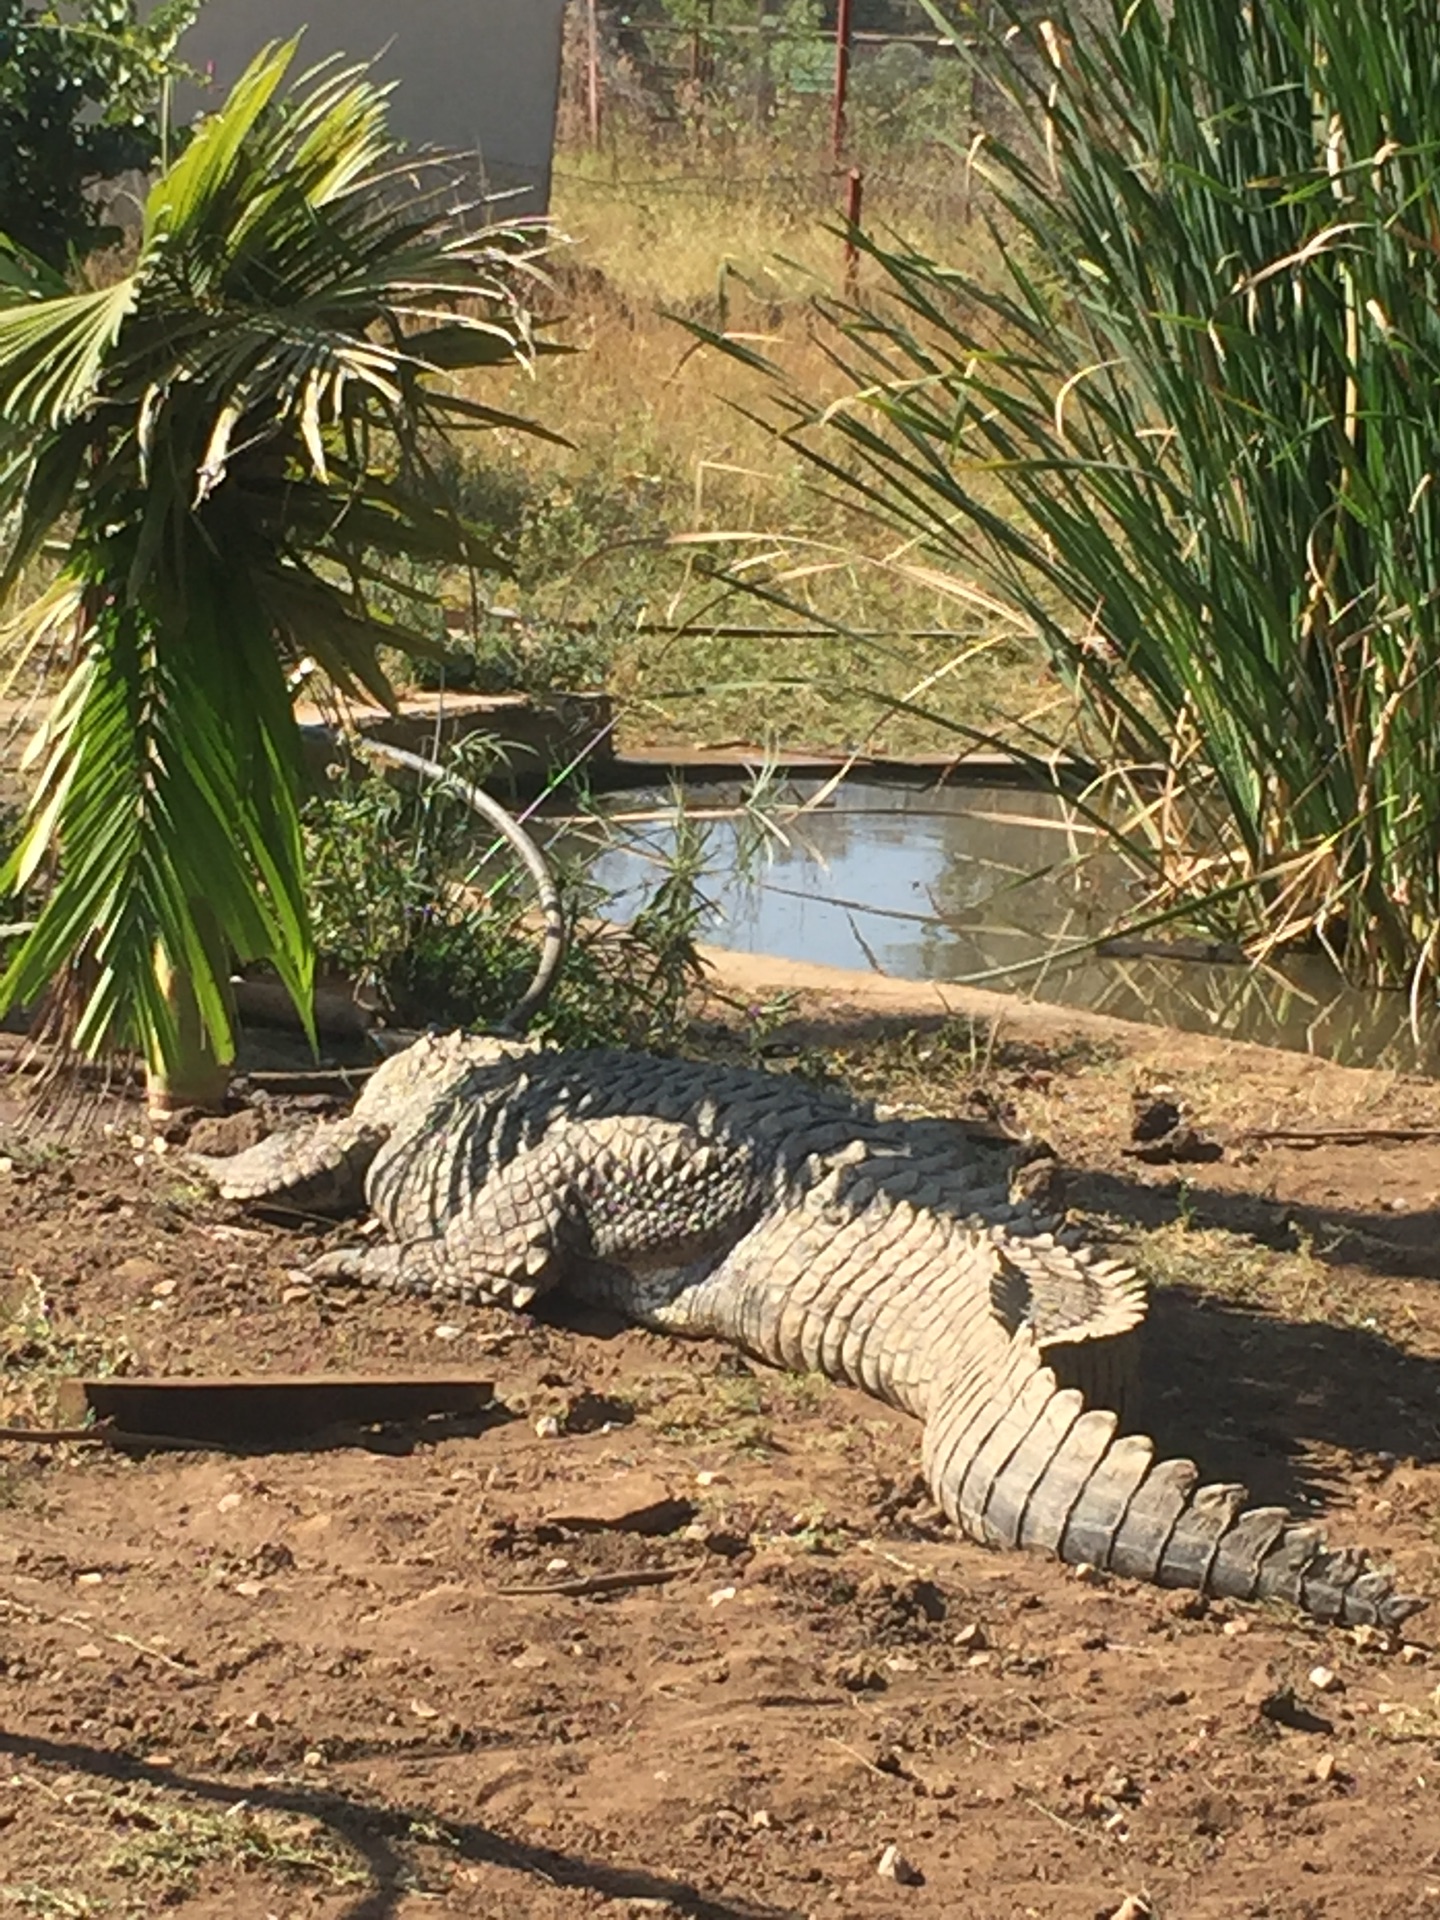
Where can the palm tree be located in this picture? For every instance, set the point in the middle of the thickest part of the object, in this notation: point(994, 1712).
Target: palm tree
point(227, 447)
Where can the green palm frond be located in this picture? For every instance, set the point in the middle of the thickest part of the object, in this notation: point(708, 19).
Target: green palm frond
point(236, 441)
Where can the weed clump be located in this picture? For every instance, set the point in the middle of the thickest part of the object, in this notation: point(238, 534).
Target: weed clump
point(413, 904)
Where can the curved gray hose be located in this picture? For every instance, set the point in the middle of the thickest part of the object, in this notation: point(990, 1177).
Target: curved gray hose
point(552, 952)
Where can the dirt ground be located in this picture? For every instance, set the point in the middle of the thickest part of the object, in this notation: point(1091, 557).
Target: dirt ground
point(313, 1682)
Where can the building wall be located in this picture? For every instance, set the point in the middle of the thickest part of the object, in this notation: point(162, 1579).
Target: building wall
point(477, 76)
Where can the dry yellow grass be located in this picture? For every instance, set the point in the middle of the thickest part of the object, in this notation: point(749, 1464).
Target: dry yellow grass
point(738, 238)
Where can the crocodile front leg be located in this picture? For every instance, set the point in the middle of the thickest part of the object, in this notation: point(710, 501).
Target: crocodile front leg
point(631, 1203)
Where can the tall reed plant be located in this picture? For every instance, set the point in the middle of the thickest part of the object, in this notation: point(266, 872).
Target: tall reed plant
point(1191, 438)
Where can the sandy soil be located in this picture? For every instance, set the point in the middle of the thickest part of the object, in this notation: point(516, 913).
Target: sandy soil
point(310, 1682)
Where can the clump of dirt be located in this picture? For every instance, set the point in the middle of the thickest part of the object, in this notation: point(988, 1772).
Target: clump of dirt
point(444, 1673)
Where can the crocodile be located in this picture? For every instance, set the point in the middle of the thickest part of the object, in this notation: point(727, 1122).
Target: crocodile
point(815, 1234)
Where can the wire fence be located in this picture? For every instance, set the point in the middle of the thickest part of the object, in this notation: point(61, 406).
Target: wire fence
point(795, 68)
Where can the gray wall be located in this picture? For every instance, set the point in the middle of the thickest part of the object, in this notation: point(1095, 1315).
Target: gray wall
point(479, 76)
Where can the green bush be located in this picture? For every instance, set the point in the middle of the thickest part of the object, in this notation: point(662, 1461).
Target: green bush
point(408, 901)
point(81, 101)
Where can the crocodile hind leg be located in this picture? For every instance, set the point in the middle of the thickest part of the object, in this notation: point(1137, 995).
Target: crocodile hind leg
point(624, 1196)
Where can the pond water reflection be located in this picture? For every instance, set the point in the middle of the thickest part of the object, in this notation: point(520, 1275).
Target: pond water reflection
point(979, 884)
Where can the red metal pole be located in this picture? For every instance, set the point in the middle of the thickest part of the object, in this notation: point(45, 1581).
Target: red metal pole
point(842, 72)
point(854, 192)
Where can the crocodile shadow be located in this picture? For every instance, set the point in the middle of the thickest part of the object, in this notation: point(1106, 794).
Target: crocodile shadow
point(1249, 1396)
point(1391, 1246)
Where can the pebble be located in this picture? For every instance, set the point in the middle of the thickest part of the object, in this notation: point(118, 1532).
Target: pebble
point(422, 1710)
point(260, 1721)
point(1326, 1680)
point(1412, 1656)
point(1133, 1907)
point(547, 1427)
point(228, 1502)
point(88, 1579)
point(892, 1865)
point(721, 1595)
point(972, 1638)
point(628, 1502)
point(249, 1589)
point(1324, 1768)
point(708, 1477)
point(293, 1294)
point(89, 1651)
point(448, 1332)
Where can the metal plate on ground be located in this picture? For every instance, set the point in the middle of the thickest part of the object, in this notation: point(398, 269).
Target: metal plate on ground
point(283, 1410)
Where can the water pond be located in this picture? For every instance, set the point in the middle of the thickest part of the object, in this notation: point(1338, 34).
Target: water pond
point(978, 884)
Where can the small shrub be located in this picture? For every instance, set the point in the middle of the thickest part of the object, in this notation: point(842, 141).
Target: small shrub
point(408, 900)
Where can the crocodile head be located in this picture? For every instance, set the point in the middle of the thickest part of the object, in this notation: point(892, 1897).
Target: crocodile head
point(320, 1168)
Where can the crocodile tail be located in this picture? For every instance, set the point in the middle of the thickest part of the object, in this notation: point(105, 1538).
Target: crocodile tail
point(1016, 1461)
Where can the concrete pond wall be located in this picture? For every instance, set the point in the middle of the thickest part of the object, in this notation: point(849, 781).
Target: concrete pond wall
point(480, 77)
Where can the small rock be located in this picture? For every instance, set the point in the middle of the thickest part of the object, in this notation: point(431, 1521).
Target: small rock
point(448, 1332)
point(292, 1295)
point(972, 1638)
point(1087, 1575)
point(892, 1865)
point(423, 1711)
point(1326, 1680)
point(163, 1289)
point(708, 1477)
point(902, 1663)
point(530, 1659)
point(7, 1165)
point(762, 1820)
point(88, 1579)
point(721, 1595)
point(1153, 1118)
point(1185, 1143)
point(857, 1674)
point(1187, 1606)
point(557, 1566)
point(1235, 1629)
point(89, 1651)
point(260, 1721)
point(232, 1133)
point(547, 1427)
point(1371, 1639)
point(1324, 1769)
point(139, 1273)
point(1133, 1907)
point(628, 1503)
point(228, 1502)
point(1411, 1655)
point(249, 1589)
point(1281, 1707)
point(313, 1757)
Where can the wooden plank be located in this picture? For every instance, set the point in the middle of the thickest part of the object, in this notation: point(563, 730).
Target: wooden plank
point(276, 1408)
